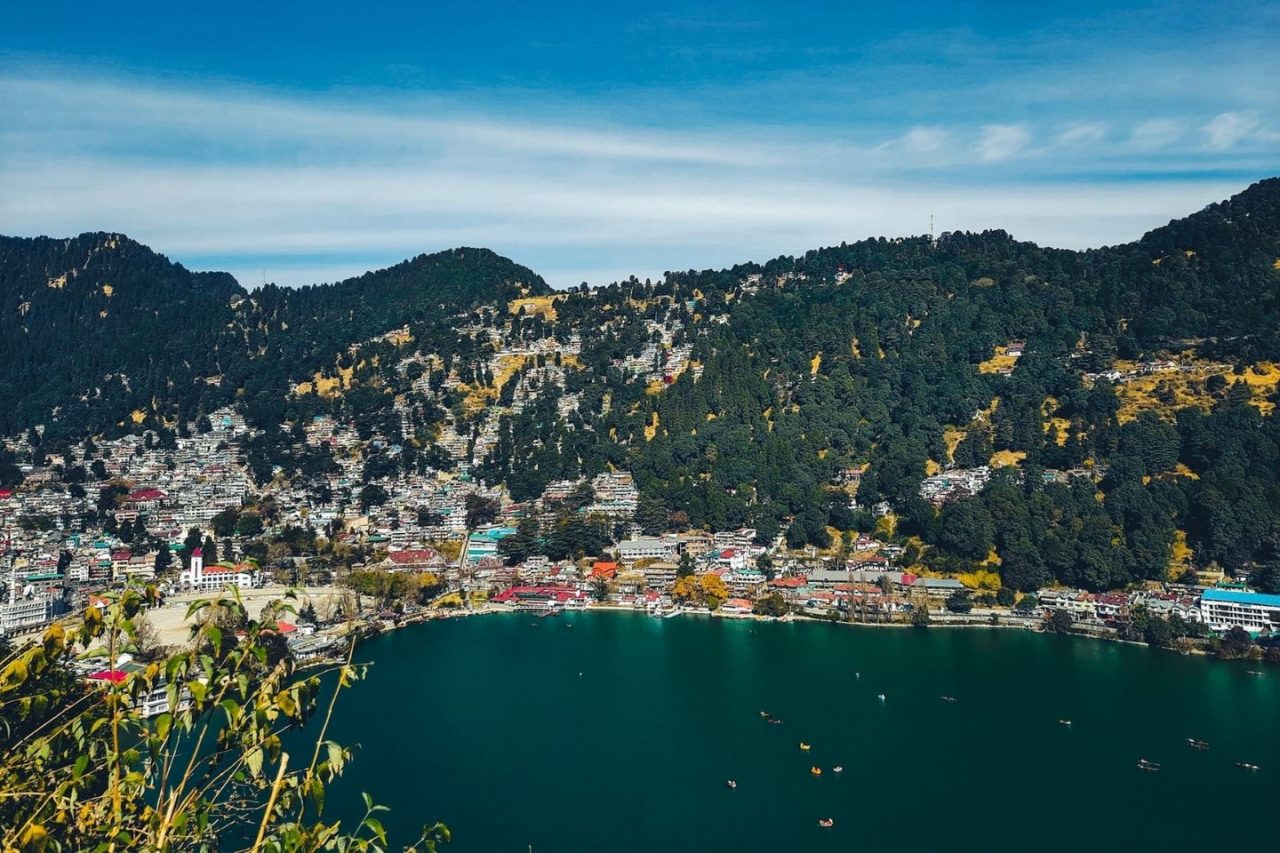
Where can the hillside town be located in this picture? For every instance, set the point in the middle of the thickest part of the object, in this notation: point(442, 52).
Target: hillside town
point(190, 519)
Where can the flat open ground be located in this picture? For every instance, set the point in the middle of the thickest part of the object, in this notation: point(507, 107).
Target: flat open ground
point(170, 619)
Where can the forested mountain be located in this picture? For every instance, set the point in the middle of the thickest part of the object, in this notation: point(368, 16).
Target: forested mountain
point(96, 327)
point(1122, 397)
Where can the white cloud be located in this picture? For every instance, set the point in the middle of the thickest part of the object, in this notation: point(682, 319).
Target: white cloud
point(315, 188)
point(1227, 129)
point(1083, 133)
point(1001, 141)
point(924, 140)
point(1156, 133)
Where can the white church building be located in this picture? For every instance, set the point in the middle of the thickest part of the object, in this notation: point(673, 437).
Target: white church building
point(213, 578)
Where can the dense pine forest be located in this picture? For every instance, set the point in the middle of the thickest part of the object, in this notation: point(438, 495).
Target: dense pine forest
point(1121, 397)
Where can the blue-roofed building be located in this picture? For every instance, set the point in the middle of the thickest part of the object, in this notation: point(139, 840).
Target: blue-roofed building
point(1224, 609)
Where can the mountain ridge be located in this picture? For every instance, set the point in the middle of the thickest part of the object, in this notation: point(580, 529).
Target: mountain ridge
point(1113, 402)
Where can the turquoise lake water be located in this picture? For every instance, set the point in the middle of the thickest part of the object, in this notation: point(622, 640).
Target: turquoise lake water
point(620, 733)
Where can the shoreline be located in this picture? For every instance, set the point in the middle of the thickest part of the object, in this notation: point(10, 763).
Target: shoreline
point(597, 607)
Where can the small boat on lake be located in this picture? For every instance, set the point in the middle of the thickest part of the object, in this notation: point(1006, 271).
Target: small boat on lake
point(947, 698)
point(826, 823)
point(804, 747)
point(816, 771)
point(765, 714)
point(1197, 744)
point(731, 784)
point(837, 769)
point(1064, 723)
point(880, 696)
point(1149, 766)
point(1244, 765)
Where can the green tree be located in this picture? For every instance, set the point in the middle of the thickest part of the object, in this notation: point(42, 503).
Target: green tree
point(1060, 621)
point(685, 568)
point(773, 604)
point(1234, 644)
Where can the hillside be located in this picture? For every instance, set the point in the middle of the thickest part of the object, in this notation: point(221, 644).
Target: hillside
point(1087, 410)
point(98, 331)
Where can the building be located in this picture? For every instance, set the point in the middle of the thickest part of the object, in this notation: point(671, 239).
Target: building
point(938, 587)
point(213, 578)
point(646, 549)
point(1224, 609)
point(25, 613)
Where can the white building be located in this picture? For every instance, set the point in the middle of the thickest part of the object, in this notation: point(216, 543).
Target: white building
point(213, 578)
point(1224, 609)
point(646, 549)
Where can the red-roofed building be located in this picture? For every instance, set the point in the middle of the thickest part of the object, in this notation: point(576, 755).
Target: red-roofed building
point(114, 676)
point(541, 597)
point(606, 569)
point(146, 498)
point(736, 606)
point(792, 582)
point(732, 558)
point(413, 559)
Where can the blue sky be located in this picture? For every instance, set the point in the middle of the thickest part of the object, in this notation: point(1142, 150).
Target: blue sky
point(310, 142)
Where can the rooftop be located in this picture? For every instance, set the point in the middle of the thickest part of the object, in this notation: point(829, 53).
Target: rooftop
point(1237, 597)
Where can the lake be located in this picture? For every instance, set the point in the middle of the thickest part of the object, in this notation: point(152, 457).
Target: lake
point(620, 733)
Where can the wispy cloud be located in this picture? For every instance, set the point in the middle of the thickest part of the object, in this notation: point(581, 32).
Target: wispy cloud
point(1083, 133)
point(1156, 133)
point(1226, 130)
point(1002, 141)
point(312, 187)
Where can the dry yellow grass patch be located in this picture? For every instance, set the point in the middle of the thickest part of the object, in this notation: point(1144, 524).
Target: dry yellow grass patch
point(1275, 265)
point(931, 467)
point(1004, 458)
point(853, 347)
point(544, 305)
point(1183, 471)
point(654, 386)
point(711, 416)
point(1062, 425)
point(815, 364)
point(652, 429)
point(951, 437)
point(822, 454)
point(1000, 361)
point(1139, 394)
point(137, 416)
point(107, 290)
point(980, 579)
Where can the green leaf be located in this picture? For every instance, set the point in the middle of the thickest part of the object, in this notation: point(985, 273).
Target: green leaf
point(317, 794)
point(253, 760)
point(215, 637)
point(163, 723)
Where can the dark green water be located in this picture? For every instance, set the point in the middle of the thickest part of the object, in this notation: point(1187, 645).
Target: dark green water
point(487, 724)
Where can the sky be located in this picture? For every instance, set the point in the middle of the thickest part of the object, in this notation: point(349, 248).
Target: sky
point(308, 142)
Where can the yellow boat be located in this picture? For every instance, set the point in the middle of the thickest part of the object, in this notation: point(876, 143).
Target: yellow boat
point(816, 771)
point(804, 746)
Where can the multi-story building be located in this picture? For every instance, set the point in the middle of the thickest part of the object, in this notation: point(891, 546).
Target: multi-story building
point(1224, 609)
